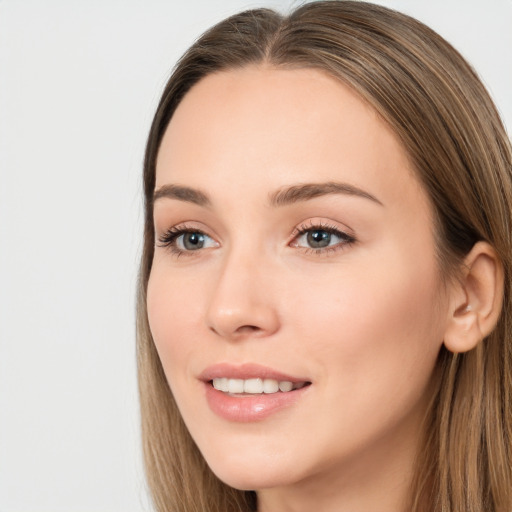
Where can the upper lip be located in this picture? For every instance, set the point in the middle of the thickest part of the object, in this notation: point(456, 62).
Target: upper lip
point(245, 371)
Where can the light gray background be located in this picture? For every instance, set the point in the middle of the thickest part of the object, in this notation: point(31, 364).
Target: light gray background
point(79, 81)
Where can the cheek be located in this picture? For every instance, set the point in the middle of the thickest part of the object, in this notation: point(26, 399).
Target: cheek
point(375, 325)
point(171, 318)
point(372, 337)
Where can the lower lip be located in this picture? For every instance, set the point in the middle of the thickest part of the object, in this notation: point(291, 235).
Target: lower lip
point(247, 408)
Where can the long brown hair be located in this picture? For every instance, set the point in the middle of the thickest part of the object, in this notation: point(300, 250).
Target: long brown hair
point(441, 112)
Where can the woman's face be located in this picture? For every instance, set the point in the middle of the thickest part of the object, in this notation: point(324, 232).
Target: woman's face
point(294, 249)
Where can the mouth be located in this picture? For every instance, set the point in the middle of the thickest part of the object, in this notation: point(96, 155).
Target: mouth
point(255, 386)
point(250, 392)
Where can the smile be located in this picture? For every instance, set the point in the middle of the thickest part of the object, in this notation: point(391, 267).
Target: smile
point(255, 386)
point(250, 392)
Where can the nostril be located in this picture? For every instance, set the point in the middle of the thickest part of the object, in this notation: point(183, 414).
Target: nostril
point(240, 332)
point(247, 329)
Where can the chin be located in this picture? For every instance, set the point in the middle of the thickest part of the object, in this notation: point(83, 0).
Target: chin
point(246, 479)
point(248, 471)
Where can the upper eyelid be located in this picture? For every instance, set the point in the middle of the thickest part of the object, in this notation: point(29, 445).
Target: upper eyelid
point(320, 227)
point(182, 228)
point(329, 229)
point(185, 226)
point(325, 224)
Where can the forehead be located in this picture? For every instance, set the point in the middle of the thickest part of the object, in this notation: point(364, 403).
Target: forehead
point(261, 127)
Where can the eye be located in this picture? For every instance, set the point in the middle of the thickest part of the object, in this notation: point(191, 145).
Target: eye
point(318, 239)
point(191, 241)
point(182, 240)
point(321, 238)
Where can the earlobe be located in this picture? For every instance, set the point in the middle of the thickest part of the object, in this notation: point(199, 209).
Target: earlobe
point(476, 299)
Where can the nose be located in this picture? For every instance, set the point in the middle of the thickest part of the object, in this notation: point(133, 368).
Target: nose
point(243, 304)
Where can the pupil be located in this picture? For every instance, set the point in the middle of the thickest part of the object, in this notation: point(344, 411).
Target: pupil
point(319, 239)
point(193, 241)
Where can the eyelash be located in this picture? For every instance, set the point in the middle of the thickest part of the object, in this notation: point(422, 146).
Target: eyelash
point(169, 238)
point(347, 239)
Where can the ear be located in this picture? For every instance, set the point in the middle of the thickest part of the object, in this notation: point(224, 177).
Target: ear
point(475, 299)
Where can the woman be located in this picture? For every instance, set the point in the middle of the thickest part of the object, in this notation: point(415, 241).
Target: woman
point(324, 300)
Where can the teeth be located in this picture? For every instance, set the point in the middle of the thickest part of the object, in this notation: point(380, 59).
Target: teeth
point(270, 386)
point(285, 386)
point(235, 385)
point(254, 386)
point(223, 384)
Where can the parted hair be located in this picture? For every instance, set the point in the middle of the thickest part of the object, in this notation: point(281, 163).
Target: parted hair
point(440, 111)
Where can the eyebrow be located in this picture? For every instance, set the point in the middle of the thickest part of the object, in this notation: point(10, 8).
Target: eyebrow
point(181, 193)
point(307, 191)
point(282, 197)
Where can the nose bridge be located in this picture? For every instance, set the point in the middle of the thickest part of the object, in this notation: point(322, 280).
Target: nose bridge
point(241, 302)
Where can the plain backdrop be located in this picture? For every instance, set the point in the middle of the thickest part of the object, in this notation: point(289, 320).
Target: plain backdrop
point(79, 81)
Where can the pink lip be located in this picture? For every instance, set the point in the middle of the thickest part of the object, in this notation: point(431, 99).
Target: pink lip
point(245, 371)
point(248, 408)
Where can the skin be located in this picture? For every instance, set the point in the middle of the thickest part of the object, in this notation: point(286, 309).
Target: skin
point(362, 321)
